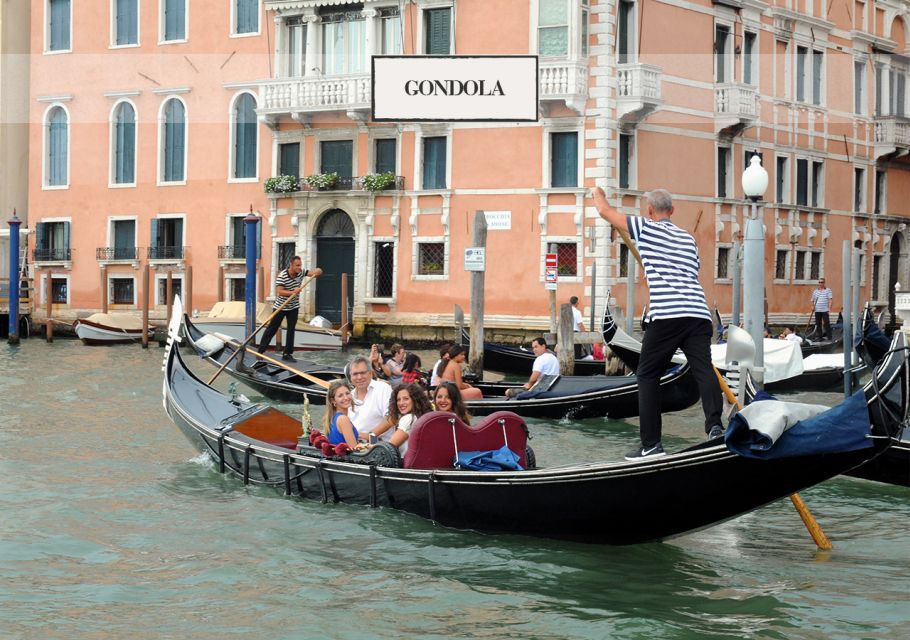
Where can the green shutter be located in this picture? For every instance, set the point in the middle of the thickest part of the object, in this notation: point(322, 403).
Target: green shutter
point(66, 241)
point(564, 159)
point(385, 155)
point(438, 31)
point(337, 156)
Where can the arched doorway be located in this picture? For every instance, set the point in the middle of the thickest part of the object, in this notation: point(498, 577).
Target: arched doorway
point(335, 255)
point(895, 247)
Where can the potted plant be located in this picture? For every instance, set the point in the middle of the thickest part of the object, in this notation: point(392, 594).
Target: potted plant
point(378, 181)
point(281, 184)
point(322, 181)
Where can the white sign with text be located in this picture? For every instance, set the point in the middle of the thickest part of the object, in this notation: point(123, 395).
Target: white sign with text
point(498, 220)
point(474, 259)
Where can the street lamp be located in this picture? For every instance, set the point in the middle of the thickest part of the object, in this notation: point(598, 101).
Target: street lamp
point(755, 183)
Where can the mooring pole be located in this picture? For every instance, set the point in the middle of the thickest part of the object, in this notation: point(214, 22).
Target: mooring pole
point(14, 279)
point(104, 292)
point(145, 306)
point(188, 291)
point(220, 284)
point(630, 292)
point(565, 340)
point(49, 309)
point(169, 294)
point(250, 289)
point(737, 282)
point(475, 356)
point(846, 268)
point(344, 312)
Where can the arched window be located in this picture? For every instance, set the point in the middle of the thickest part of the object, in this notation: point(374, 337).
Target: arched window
point(56, 169)
point(335, 223)
point(245, 132)
point(173, 140)
point(124, 147)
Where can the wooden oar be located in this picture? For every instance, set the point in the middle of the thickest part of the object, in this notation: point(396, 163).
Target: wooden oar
point(811, 315)
point(278, 363)
point(821, 540)
point(256, 330)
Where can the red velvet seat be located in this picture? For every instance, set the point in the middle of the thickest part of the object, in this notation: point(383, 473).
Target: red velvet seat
point(431, 444)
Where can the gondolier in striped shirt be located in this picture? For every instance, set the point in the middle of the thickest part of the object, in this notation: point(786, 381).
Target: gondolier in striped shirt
point(287, 284)
point(678, 314)
point(821, 304)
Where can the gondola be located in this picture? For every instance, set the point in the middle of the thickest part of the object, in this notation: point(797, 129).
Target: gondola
point(518, 359)
point(272, 381)
point(814, 373)
point(553, 397)
point(609, 503)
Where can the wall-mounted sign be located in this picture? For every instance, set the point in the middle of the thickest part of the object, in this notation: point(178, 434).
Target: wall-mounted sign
point(550, 278)
point(454, 88)
point(498, 220)
point(474, 259)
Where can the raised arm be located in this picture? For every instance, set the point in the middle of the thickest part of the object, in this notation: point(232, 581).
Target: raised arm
point(606, 211)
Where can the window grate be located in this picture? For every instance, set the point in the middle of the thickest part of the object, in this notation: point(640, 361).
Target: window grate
point(566, 258)
point(383, 269)
point(723, 262)
point(122, 291)
point(780, 266)
point(431, 259)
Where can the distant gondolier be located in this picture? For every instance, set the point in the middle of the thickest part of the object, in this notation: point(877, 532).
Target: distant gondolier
point(287, 284)
point(821, 304)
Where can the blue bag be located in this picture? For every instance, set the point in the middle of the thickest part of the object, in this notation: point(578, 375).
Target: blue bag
point(502, 459)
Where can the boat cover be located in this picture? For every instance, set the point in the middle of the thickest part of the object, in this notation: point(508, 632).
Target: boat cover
point(117, 321)
point(772, 429)
point(783, 359)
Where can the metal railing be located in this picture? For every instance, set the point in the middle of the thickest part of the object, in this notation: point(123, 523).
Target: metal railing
point(232, 252)
point(118, 253)
point(166, 253)
point(354, 183)
point(44, 254)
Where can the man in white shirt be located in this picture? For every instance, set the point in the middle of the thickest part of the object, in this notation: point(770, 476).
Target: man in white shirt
point(578, 324)
point(371, 398)
point(789, 334)
point(545, 364)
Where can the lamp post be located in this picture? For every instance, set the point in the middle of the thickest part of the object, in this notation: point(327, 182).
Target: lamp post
point(755, 183)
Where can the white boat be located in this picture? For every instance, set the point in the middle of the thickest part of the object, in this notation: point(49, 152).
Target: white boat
point(229, 318)
point(108, 328)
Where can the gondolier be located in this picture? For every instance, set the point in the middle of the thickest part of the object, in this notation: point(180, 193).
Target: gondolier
point(821, 304)
point(287, 284)
point(678, 316)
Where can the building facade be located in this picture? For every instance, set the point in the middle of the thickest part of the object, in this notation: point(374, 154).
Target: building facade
point(156, 123)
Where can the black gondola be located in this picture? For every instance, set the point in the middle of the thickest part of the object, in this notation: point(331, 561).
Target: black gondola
point(562, 396)
point(272, 381)
point(516, 359)
point(613, 503)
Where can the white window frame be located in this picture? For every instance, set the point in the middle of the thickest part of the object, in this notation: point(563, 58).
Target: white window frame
point(729, 58)
point(632, 55)
point(788, 264)
point(820, 185)
point(548, 131)
point(45, 135)
point(728, 187)
point(286, 56)
point(58, 275)
point(578, 241)
point(862, 190)
point(228, 277)
point(633, 164)
point(730, 260)
point(110, 292)
point(883, 197)
point(422, 6)
point(113, 41)
point(860, 84)
point(231, 135)
point(755, 66)
point(380, 22)
point(808, 98)
point(415, 257)
point(162, 27)
point(162, 277)
point(109, 242)
point(169, 216)
point(418, 140)
point(322, 54)
point(234, 33)
point(788, 183)
point(371, 270)
point(379, 134)
point(331, 135)
point(160, 181)
point(47, 30)
point(112, 150)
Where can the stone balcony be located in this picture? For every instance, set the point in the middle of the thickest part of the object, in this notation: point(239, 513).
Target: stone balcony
point(299, 98)
point(563, 81)
point(736, 106)
point(892, 136)
point(637, 91)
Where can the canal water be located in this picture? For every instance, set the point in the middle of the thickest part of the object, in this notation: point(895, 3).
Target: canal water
point(112, 527)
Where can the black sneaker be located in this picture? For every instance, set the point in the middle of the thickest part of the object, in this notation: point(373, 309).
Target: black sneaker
point(716, 432)
point(650, 452)
point(288, 358)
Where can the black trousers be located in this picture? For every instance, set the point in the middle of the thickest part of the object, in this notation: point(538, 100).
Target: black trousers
point(822, 324)
point(275, 324)
point(663, 337)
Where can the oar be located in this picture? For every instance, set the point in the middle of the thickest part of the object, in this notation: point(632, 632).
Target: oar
point(821, 540)
point(256, 330)
point(811, 314)
point(278, 363)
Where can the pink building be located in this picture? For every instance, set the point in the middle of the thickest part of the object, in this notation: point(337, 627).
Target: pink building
point(155, 124)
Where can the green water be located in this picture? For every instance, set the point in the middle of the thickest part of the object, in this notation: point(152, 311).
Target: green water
point(112, 527)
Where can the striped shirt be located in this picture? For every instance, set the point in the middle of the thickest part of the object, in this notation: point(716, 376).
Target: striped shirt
point(821, 298)
point(290, 283)
point(671, 262)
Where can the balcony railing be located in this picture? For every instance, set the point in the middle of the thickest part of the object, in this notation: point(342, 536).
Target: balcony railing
point(117, 253)
point(319, 93)
point(564, 80)
point(637, 90)
point(347, 184)
point(735, 105)
point(892, 133)
point(232, 252)
point(166, 253)
point(44, 254)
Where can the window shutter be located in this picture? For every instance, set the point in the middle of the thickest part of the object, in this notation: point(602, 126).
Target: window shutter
point(564, 159)
point(817, 77)
point(60, 25)
point(438, 24)
point(154, 238)
point(66, 241)
point(289, 159)
point(385, 155)
point(434, 163)
point(802, 180)
point(178, 238)
point(41, 236)
point(259, 239)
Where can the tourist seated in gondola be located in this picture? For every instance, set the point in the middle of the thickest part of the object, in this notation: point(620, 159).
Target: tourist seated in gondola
point(393, 367)
point(790, 335)
point(408, 403)
point(410, 370)
point(452, 373)
point(448, 398)
point(545, 364)
point(440, 366)
point(335, 422)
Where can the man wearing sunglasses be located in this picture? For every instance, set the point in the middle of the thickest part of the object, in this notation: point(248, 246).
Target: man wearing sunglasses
point(821, 304)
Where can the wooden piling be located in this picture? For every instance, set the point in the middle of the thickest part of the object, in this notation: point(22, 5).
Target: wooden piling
point(552, 296)
point(188, 290)
point(260, 286)
point(145, 306)
point(345, 321)
point(565, 340)
point(475, 355)
point(104, 290)
point(49, 312)
point(169, 294)
point(220, 284)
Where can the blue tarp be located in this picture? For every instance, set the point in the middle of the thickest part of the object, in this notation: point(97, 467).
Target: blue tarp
point(839, 429)
point(502, 459)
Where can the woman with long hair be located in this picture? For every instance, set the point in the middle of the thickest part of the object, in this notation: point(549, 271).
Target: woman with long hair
point(336, 423)
point(410, 370)
point(452, 374)
point(448, 398)
point(408, 403)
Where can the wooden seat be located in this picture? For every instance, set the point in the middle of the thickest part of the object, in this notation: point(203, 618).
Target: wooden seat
point(432, 441)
